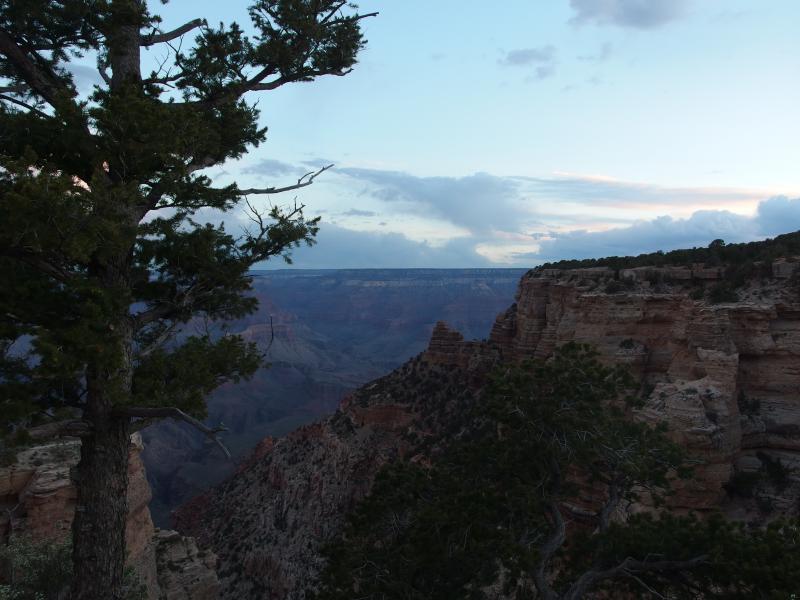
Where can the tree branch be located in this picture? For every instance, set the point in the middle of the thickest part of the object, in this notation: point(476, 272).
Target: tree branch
point(554, 541)
point(178, 415)
point(158, 38)
point(610, 506)
point(253, 86)
point(14, 89)
point(43, 83)
point(304, 181)
point(36, 261)
point(630, 567)
point(32, 109)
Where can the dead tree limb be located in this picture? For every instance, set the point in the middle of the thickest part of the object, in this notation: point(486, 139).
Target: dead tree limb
point(178, 415)
point(304, 181)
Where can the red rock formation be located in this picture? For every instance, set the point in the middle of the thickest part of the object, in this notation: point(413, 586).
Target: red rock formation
point(725, 377)
point(38, 497)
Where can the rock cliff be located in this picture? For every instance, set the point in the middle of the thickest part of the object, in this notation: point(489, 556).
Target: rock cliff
point(37, 498)
point(724, 376)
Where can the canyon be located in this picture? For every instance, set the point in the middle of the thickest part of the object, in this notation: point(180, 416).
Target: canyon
point(324, 334)
point(723, 376)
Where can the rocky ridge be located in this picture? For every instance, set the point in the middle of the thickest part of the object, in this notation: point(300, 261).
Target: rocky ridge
point(37, 500)
point(724, 376)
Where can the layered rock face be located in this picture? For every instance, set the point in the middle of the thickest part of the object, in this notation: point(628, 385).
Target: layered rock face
point(267, 522)
point(38, 499)
point(724, 377)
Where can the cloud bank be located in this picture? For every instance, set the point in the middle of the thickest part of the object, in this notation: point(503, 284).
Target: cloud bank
point(341, 248)
point(478, 203)
point(401, 220)
point(774, 216)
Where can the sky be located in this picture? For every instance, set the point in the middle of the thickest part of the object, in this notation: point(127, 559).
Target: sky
point(475, 134)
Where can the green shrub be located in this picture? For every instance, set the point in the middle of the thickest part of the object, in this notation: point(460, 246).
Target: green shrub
point(32, 570)
point(35, 570)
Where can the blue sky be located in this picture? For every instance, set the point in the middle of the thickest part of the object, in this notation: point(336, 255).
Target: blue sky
point(478, 134)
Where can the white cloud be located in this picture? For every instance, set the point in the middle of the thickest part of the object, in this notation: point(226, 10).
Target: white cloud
point(479, 203)
point(340, 248)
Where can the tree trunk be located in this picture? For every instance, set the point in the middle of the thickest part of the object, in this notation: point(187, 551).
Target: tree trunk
point(98, 531)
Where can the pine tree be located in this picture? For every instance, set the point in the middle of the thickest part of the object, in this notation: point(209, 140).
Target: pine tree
point(100, 257)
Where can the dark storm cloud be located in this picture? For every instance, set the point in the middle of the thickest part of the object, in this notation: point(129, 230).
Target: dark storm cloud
point(638, 14)
point(479, 202)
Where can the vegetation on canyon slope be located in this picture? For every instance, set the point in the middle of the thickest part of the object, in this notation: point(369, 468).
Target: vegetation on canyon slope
point(100, 258)
point(524, 502)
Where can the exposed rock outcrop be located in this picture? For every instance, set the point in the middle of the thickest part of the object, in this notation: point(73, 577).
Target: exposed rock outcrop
point(37, 498)
point(725, 377)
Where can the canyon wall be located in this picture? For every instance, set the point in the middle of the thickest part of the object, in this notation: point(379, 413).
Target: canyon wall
point(725, 377)
point(38, 496)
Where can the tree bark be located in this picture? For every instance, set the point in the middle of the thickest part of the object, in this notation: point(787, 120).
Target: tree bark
point(98, 530)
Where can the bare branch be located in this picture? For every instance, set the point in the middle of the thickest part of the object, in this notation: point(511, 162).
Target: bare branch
point(610, 506)
point(628, 568)
point(271, 335)
point(159, 341)
point(178, 415)
point(554, 541)
point(304, 181)
point(158, 38)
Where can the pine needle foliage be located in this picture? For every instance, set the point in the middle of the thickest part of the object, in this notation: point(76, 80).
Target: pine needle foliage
point(104, 256)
